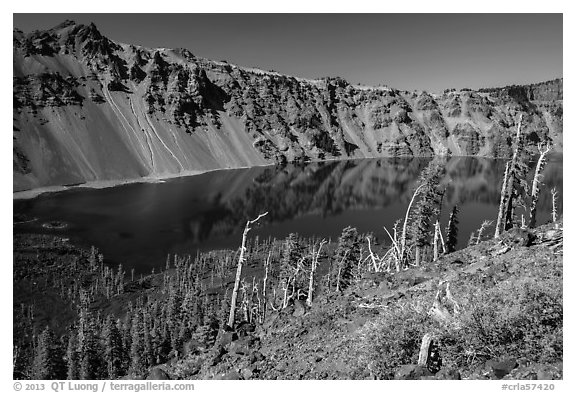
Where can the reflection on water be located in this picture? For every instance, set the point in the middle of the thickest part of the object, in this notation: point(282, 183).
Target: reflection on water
point(139, 224)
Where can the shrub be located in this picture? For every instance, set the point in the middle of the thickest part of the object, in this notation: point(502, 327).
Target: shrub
point(520, 318)
point(391, 341)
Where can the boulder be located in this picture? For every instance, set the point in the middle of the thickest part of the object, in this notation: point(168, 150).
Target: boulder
point(448, 374)
point(256, 356)
point(299, 308)
point(240, 347)
point(545, 375)
point(411, 372)
point(244, 328)
point(232, 375)
point(225, 338)
point(249, 372)
point(502, 367)
point(191, 368)
point(192, 347)
point(216, 354)
point(157, 374)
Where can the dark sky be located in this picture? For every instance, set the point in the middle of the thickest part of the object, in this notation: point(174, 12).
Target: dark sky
point(406, 51)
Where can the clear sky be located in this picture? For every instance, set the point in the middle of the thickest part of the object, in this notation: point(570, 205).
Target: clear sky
point(406, 51)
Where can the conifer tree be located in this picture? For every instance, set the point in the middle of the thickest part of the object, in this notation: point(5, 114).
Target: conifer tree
point(346, 257)
point(137, 359)
point(452, 231)
point(89, 353)
point(72, 358)
point(48, 358)
point(198, 306)
point(126, 332)
point(174, 308)
point(289, 263)
point(147, 339)
point(427, 207)
point(191, 309)
point(113, 350)
point(162, 343)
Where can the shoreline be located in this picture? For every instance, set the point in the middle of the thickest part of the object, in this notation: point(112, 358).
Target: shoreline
point(159, 178)
point(100, 184)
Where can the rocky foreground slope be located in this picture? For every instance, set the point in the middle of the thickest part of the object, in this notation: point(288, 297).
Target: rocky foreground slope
point(494, 311)
point(87, 108)
point(500, 318)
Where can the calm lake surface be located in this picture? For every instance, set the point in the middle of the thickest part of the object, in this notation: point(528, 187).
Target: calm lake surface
point(139, 224)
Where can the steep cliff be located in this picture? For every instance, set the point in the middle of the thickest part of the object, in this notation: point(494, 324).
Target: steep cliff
point(87, 109)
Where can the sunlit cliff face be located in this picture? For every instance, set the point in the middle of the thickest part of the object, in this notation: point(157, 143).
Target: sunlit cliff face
point(90, 109)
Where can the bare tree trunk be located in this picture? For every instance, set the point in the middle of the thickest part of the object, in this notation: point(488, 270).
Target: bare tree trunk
point(231, 317)
point(441, 238)
point(509, 209)
point(265, 284)
point(244, 303)
point(403, 238)
point(436, 239)
point(396, 247)
point(376, 268)
point(554, 211)
point(503, 198)
point(483, 227)
point(425, 350)
point(505, 208)
point(285, 286)
point(535, 185)
point(315, 257)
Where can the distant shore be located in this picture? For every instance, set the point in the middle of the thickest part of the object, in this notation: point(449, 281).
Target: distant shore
point(97, 184)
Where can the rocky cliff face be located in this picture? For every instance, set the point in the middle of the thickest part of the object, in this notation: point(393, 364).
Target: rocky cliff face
point(88, 109)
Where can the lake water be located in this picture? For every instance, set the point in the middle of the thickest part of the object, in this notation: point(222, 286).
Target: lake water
point(139, 224)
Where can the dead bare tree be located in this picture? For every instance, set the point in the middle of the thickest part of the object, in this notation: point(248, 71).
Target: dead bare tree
point(247, 228)
point(399, 245)
point(264, 285)
point(425, 350)
point(245, 302)
point(285, 287)
point(438, 239)
point(485, 225)
point(445, 308)
point(554, 208)
point(403, 238)
point(502, 205)
point(376, 260)
point(513, 177)
point(394, 252)
point(315, 256)
point(340, 270)
point(536, 183)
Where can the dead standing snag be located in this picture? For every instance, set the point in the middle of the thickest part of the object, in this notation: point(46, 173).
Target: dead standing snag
point(535, 194)
point(239, 270)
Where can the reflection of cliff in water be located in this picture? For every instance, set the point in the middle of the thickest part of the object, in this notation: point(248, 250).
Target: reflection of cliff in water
point(330, 188)
point(139, 224)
